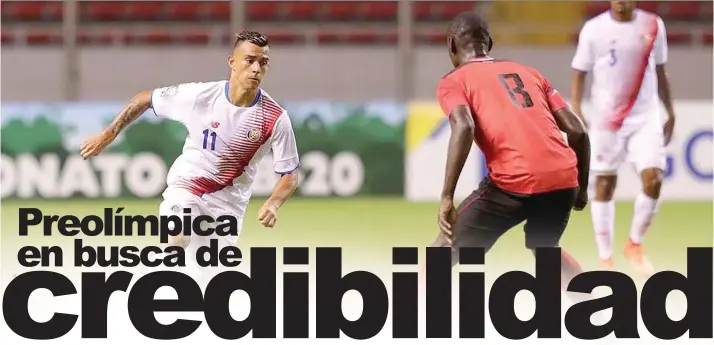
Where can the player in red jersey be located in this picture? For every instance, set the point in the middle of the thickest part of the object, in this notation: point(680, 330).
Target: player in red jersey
point(517, 119)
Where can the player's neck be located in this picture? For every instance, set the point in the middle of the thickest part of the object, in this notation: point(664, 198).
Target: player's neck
point(479, 57)
point(622, 16)
point(241, 97)
point(473, 56)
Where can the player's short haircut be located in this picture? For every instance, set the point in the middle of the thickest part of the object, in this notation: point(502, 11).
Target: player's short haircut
point(469, 28)
point(251, 36)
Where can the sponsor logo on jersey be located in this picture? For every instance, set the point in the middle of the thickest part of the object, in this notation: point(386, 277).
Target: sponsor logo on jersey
point(647, 38)
point(175, 208)
point(254, 135)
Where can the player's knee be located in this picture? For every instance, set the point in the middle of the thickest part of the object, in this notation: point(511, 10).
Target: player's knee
point(652, 182)
point(439, 242)
point(605, 187)
point(179, 241)
point(533, 244)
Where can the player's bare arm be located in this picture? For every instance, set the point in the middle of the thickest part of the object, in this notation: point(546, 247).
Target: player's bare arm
point(462, 134)
point(577, 86)
point(284, 189)
point(285, 163)
point(131, 111)
point(581, 64)
point(579, 141)
point(666, 97)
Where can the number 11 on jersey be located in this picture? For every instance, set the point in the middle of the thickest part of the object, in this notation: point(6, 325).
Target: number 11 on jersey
point(206, 134)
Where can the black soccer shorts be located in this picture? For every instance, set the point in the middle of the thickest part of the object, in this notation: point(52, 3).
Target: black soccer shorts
point(489, 212)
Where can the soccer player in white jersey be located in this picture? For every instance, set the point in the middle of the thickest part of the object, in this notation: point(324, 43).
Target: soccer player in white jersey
point(625, 50)
point(232, 124)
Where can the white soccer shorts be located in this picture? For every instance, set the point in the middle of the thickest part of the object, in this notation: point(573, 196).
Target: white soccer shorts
point(642, 146)
point(175, 202)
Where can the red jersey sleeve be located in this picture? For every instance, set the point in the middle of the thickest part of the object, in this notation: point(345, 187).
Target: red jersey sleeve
point(450, 94)
point(555, 99)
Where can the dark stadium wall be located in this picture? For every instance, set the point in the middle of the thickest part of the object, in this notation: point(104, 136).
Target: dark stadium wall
point(349, 74)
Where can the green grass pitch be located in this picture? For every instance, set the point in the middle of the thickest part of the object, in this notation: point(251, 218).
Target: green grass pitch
point(367, 228)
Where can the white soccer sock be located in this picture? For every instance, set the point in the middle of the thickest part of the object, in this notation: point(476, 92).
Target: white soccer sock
point(645, 209)
point(603, 217)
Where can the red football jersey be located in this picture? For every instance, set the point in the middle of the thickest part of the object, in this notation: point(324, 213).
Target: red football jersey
point(512, 105)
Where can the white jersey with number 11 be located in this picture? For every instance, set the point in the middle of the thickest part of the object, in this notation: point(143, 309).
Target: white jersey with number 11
point(225, 143)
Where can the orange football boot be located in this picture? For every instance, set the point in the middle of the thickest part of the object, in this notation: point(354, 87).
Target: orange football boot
point(607, 265)
point(635, 254)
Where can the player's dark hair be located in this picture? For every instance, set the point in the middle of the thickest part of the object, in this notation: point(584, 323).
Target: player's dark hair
point(251, 36)
point(470, 30)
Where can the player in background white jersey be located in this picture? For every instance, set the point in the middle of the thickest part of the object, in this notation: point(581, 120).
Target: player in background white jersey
point(232, 124)
point(625, 50)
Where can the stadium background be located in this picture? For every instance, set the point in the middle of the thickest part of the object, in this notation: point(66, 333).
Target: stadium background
point(359, 81)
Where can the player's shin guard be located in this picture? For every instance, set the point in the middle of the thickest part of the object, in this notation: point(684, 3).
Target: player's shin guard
point(603, 218)
point(645, 210)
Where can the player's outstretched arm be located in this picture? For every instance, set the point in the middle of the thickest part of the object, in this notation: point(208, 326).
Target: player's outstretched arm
point(131, 111)
point(138, 105)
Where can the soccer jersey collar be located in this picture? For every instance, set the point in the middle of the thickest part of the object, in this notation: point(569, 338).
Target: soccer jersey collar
point(634, 15)
point(481, 59)
point(228, 98)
